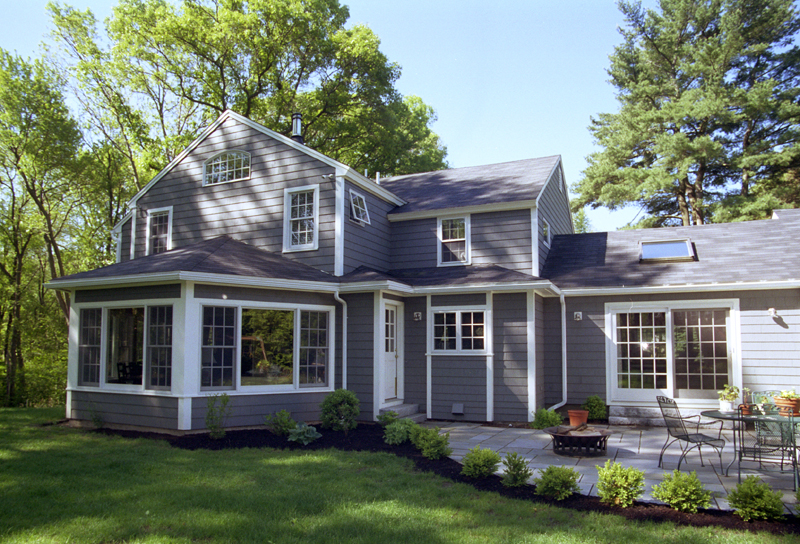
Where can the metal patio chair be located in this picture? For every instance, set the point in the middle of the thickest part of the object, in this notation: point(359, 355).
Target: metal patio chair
point(766, 438)
point(688, 436)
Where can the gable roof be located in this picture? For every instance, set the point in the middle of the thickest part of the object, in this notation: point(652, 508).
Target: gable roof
point(204, 260)
point(492, 184)
point(751, 252)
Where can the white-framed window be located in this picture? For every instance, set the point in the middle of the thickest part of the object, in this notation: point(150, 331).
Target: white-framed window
point(231, 165)
point(301, 218)
point(681, 349)
point(666, 251)
point(358, 208)
point(159, 230)
point(546, 232)
point(125, 346)
point(265, 348)
point(459, 331)
point(454, 240)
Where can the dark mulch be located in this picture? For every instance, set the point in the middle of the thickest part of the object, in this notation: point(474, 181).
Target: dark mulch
point(369, 437)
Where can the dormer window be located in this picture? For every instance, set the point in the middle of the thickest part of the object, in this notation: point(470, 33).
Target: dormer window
point(454, 241)
point(226, 166)
point(301, 218)
point(666, 251)
point(358, 208)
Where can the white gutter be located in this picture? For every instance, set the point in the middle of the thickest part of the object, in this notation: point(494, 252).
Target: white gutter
point(344, 339)
point(563, 354)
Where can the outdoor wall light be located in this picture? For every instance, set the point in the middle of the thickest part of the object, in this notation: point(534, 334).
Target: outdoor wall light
point(577, 316)
point(772, 312)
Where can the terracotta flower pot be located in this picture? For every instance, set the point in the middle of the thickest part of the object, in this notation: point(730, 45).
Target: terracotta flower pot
point(794, 404)
point(578, 417)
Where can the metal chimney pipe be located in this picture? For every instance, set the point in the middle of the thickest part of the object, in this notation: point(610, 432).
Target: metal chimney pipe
point(297, 127)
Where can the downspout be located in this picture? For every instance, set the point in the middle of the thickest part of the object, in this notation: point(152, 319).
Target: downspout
point(344, 338)
point(563, 353)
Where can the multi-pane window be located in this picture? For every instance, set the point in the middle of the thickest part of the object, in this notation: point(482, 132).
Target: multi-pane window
point(301, 219)
point(358, 208)
point(159, 347)
point(267, 352)
point(546, 232)
point(701, 349)
point(642, 350)
point(124, 346)
point(159, 232)
point(453, 235)
point(459, 331)
point(313, 353)
point(89, 346)
point(227, 166)
point(218, 347)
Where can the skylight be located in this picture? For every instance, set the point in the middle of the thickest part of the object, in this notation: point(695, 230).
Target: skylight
point(666, 250)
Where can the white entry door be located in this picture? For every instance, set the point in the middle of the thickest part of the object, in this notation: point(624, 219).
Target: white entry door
point(391, 355)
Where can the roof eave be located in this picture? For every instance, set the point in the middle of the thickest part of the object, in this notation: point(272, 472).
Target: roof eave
point(478, 208)
point(681, 288)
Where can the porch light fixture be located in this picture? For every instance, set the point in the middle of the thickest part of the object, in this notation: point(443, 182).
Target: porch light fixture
point(772, 312)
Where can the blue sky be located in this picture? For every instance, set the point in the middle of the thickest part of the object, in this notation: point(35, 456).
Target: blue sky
point(509, 80)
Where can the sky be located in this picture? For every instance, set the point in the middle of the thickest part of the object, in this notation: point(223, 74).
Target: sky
point(509, 79)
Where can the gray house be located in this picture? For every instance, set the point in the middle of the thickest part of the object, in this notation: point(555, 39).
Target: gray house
point(256, 266)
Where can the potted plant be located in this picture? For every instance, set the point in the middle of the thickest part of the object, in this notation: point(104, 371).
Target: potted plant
point(789, 398)
point(727, 397)
point(747, 401)
point(578, 417)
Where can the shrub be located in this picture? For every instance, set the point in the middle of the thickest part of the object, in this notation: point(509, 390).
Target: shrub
point(399, 432)
point(619, 485)
point(517, 470)
point(340, 410)
point(545, 418)
point(217, 413)
point(303, 433)
point(430, 443)
point(557, 482)
point(387, 418)
point(682, 491)
point(754, 499)
point(280, 423)
point(596, 407)
point(480, 463)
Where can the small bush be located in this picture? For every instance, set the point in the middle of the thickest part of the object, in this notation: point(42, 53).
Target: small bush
point(596, 407)
point(387, 418)
point(280, 423)
point(619, 485)
point(399, 432)
point(217, 412)
point(517, 470)
point(557, 483)
point(339, 411)
point(480, 463)
point(304, 433)
point(430, 443)
point(545, 418)
point(682, 491)
point(754, 499)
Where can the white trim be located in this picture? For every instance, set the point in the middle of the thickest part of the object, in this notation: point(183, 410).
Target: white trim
point(535, 268)
point(199, 277)
point(400, 340)
point(338, 227)
point(377, 354)
point(134, 213)
point(287, 228)
point(531, 337)
point(219, 154)
point(683, 288)
point(354, 195)
point(611, 309)
point(428, 363)
point(488, 337)
point(150, 214)
point(467, 243)
point(461, 210)
point(546, 233)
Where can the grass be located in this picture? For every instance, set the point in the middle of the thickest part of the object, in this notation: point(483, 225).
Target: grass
point(66, 485)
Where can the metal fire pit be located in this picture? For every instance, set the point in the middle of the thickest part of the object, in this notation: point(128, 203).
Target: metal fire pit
point(580, 441)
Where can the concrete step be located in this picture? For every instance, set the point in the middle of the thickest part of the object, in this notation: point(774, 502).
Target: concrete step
point(406, 411)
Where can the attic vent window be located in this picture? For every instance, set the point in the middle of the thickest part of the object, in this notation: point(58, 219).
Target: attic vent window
point(666, 251)
point(226, 166)
point(358, 207)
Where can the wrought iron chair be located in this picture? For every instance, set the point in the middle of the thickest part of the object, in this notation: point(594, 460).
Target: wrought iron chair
point(688, 437)
point(771, 440)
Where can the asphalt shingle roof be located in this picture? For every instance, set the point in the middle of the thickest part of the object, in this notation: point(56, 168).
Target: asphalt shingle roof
point(446, 275)
point(750, 251)
point(471, 186)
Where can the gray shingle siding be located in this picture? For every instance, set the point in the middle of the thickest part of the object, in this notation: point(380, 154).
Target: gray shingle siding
point(415, 349)
point(117, 408)
point(221, 292)
point(367, 245)
point(510, 322)
point(413, 244)
point(458, 380)
point(172, 290)
point(248, 410)
point(360, 350)
point(502, 238)
point(553, 208)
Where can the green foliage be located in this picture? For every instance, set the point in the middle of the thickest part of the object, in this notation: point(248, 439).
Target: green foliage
point(339, 410)
point(387, 418)
point(596, 407)
point(683, 491)
point(430, 443)
point(517, 472)
point(557, 483)
point(544, 418)
point(618, 485)
point(480, 463)
point(280, 422)
point(399, 431)
point(304, 434)
point(754, 499)
point(217, 412)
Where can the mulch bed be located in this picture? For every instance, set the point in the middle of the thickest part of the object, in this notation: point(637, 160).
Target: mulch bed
point(369, 437)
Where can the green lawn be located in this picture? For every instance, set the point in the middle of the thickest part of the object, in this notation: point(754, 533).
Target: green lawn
point(66, 485)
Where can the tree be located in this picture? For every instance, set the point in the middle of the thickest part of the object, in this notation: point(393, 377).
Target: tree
point(708, 118)
point(170, 69)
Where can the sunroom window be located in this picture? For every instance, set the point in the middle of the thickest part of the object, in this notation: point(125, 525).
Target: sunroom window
point(226, 166)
